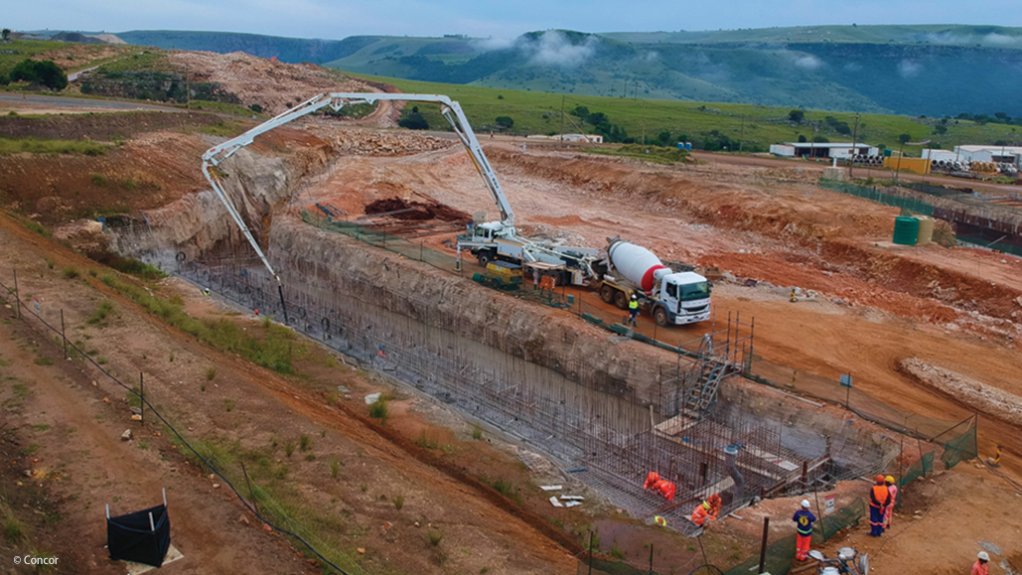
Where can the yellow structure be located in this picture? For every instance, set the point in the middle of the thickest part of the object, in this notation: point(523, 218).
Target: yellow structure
point(914, 165)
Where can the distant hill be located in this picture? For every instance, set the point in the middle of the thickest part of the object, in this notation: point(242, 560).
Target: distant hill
point(932, 70)
point(284, 49)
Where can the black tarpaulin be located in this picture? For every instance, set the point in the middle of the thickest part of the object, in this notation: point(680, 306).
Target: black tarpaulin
point(142, 536)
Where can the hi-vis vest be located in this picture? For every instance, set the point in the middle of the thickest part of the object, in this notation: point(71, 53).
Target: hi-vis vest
point(633, 304)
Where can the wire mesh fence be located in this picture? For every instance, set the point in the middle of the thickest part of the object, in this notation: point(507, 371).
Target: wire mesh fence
point(226, 466)
point(976, 222)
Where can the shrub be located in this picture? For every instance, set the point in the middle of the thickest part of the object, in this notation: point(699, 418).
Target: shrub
point(378, 410)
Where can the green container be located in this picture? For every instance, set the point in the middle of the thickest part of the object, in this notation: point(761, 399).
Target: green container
point(906, 230)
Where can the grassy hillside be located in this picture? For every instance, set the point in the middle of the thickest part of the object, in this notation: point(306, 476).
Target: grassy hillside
point(901, 77)
point(934, 34)
point(284, 49)
point(935, 70)
point(749, 127)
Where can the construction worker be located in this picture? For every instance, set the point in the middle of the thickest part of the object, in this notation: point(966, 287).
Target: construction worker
point(879, 499)
point(633, 309)
point(701, 514)
point(804, 520)
point(980, 567)
point(892, 489)
point(716, 504)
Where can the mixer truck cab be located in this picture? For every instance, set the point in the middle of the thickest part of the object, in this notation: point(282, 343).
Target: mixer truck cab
point(684, 298)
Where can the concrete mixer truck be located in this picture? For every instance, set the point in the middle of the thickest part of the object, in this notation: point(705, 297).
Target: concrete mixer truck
point(672, 298)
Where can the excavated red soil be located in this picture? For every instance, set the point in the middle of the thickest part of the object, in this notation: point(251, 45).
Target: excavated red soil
point(416, 210)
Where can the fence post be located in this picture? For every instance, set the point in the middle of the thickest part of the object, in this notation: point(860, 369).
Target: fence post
point(63, 334)
point(590, 553)
point(650, 559)
point(17, 295)
point(763, 544)
point(141, 399)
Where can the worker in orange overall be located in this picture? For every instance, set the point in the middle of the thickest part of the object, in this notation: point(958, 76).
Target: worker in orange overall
point(892, 489)
point(879, 499)
point(716, 504)
point(804, 520)
point(981, 566)
point(701, 514)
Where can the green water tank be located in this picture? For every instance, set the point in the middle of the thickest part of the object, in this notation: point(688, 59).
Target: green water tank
point(906, 230)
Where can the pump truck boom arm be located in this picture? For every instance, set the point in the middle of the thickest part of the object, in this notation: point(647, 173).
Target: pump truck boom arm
point(450, 109)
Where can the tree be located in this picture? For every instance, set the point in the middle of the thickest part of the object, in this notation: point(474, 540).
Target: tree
point(504, 122)
point(6, 34)
point(904, 138)
point(50, 75)
point(581, 112)
point(44, 73)
point(413, 120)
point(664, 138)
point(802, 139)
point(940, 129)
point(796, 116)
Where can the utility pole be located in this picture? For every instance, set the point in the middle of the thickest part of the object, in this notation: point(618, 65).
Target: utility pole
point(561, 137)
point(855, 151)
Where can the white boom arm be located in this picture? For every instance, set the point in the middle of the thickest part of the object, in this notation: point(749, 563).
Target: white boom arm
point(451, 110)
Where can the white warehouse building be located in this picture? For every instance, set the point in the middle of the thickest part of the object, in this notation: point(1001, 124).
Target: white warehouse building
point(823, 150)
point(997, 154)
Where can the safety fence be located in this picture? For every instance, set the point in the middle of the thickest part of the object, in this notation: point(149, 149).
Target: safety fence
point(957, 443)
point(230, 470)
point(975, 222)
point(779, 555)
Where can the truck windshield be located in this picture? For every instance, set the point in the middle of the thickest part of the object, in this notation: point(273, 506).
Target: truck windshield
point(695, 291)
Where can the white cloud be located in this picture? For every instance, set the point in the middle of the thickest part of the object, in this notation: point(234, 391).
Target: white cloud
point(909, 68)
point(808, 62)
point(553, 48)
point(494, 43)
point(996, 39)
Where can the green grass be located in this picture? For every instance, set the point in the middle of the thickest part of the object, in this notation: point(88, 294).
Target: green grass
point(51, 147)
point(17, 50)
point(153, 60)
point(755, 126)
point(269, 345)
point(426, 442)
point(100, 314)
point(279, 498)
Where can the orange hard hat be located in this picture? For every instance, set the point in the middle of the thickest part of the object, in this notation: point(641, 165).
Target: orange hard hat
point(879, 478)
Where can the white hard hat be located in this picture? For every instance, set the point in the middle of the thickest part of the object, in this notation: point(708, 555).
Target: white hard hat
point(635, 296)
point(983, 555)
point(805, 504)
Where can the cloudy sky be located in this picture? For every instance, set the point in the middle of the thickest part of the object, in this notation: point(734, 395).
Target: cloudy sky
point(334, 19)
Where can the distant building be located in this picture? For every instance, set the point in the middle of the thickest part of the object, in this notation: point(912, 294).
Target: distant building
point(572, 138)
point(823, 150)
point(997, 154)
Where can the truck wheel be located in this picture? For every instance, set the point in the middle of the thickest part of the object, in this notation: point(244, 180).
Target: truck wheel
point(607, 294)
point(484, 258)
point(660, 317)
point(620, 299)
